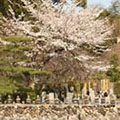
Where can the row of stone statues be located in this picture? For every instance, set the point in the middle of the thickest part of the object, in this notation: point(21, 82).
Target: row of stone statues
point(70, 98)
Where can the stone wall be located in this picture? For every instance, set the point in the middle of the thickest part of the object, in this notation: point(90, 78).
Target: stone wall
point(58, 112)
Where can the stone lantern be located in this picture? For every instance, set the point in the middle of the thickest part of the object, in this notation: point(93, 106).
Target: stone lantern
point(28, 100)
point(18, 99)
point(9, 99)
point(38, 100)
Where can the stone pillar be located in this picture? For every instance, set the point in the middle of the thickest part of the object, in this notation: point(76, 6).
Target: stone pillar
point(69, 98)
point(44, 95)
point(51, 98)
point(92, 95)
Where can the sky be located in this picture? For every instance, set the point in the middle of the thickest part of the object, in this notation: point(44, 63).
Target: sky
point(105, 3)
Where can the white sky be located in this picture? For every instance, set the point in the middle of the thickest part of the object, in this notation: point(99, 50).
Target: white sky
point(104, 3)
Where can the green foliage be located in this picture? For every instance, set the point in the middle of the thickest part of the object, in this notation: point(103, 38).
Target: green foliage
point(114, 60)
point(77, 87)
point(14, 87)
point(115, 17)
point(114, 74)
point(103, 14)
point(23, 91)
point(10, 61)
point(7, 85)
point(115, 7)
point(15, 48)
point(16, 38)
point(117, 89)
point(99, 75)
point(115, 21)
point(29, 18)
point(1, 14)
point(20, 70)
point(18, 8)
point(35, 29)
point(16, 79)
point(83, 3)
point(4, 5)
